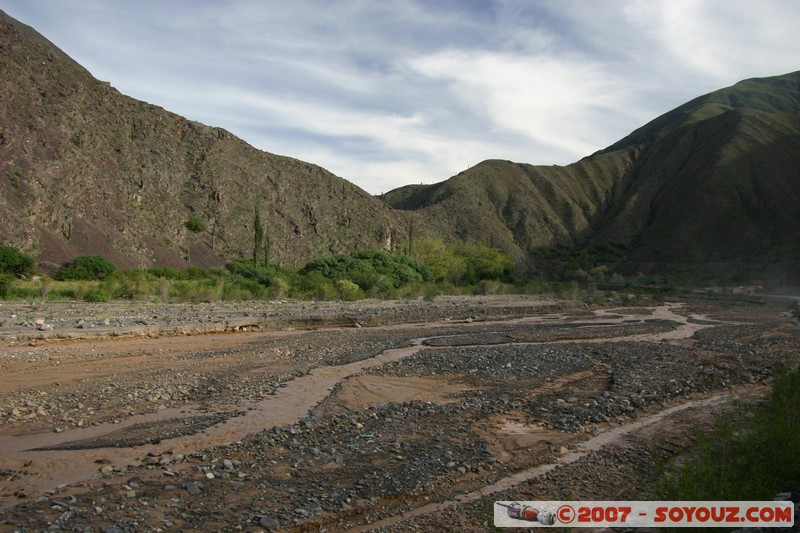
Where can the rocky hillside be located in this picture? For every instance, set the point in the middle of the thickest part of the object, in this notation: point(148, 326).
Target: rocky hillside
point(85, 169)
point(715, 181)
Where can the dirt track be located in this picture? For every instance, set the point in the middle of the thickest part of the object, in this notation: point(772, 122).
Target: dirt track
point(260, 423)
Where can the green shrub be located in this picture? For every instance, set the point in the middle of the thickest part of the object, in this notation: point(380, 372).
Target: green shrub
point(163, 289)
point(242, 288)
point(86, 267)
point(464, 264)
point(349, 290)
point(97, 294)
point(80, 292)
point(314, 285)
point(45, 284)
point(245, 269)
point(490, 286)
point(5, 285)
point(485, 262)
point(279, 288)
point(15, 263)
point(128, 284)
point(441, 260)
point(369, 268)
point(195, 225)
point(752, 452)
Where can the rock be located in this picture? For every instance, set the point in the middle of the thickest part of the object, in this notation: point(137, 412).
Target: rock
point(267, 522)
point(192, 488)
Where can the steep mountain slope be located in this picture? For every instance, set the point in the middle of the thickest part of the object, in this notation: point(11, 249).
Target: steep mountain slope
point(84, 169)
point(715, 180)
point(521, 208)
point(720, 189)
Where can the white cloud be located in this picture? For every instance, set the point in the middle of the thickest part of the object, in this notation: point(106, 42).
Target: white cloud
point(538, 97)
point(388, 93)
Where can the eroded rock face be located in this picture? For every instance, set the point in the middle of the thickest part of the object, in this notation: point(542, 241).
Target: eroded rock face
point(100, 173)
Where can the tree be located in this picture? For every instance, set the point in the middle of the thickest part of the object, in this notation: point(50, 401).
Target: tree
point(15, 263)
point(267, 244)
point(411, 237)
point(85, 267)
point(258, 234)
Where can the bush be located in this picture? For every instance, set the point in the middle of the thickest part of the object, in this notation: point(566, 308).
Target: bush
point(279, 288)
point(15, 263)
point(441, 260)
point(195, 225)
point(485, 262)
point(86, 267)
point(349, 290)
point(752, 453)
point(97, 294)
point(195, 273)
point(490, 286)
point(45, 284)
point(5, 286)
point(369, 268)
point(464, 264)
point(242, 288)
point(314, 285)
point(127, 284)
point(245, 269)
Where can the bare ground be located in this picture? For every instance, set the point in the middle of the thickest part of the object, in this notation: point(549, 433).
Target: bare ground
point(390, 416)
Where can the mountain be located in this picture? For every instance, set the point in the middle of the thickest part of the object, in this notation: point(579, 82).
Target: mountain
point(85, 169)
point(715, 181)
point(712, 185)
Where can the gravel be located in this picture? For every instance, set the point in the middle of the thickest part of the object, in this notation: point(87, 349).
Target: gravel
point(356, 467)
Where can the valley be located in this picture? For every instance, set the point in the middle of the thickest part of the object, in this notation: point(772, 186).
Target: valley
point(385, 416)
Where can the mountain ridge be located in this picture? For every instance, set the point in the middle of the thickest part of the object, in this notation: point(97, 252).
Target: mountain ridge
point(704, 183)
point(85, 169)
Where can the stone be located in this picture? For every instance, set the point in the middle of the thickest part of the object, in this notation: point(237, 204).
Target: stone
point(267, 522)
point(192, 488)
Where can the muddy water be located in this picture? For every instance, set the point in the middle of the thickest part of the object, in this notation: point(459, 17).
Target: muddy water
point(593, 444)
point(57, 467)
point(45, 470)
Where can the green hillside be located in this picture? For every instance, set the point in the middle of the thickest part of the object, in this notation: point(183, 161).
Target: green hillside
point(712, 185)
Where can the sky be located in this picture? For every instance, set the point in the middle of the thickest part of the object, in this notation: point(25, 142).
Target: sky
point(387, 93)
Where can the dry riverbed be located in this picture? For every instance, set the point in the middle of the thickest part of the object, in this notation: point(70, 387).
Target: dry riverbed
point(392, 416)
